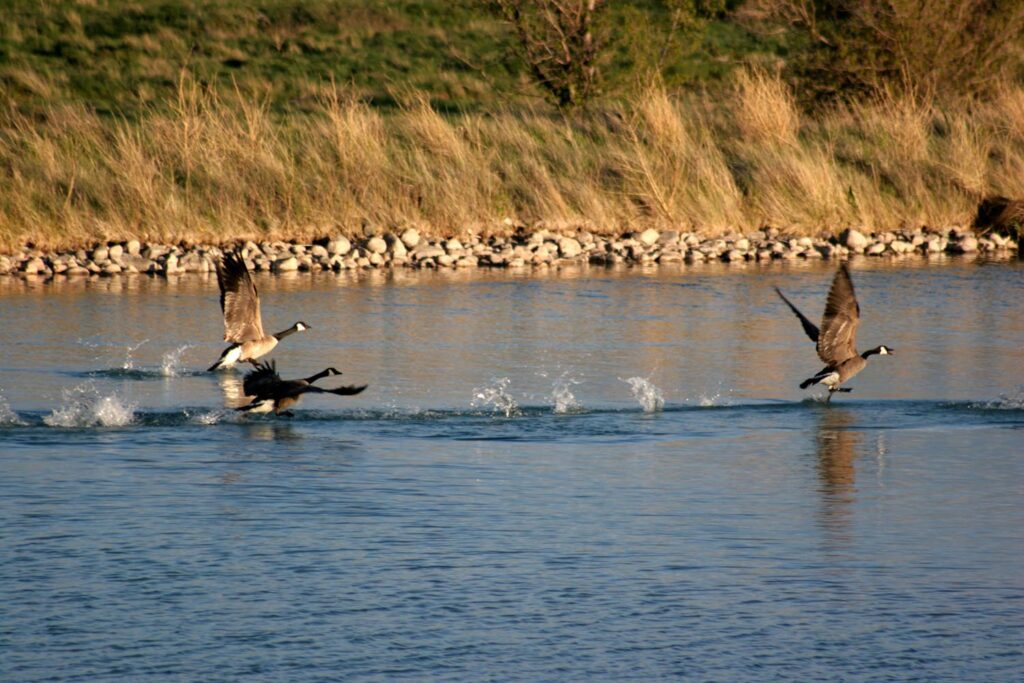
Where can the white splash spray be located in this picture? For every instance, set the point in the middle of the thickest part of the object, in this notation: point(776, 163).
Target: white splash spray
point(129, 362)
point(210, 417)
point(496, 397)
point(83, 406)
point(1013, 401)
point(562, 397)
point(646, 394)
point(171, 364)
point(8, 417)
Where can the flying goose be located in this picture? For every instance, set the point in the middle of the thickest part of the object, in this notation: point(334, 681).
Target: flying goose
point(241, 306)
point(272, 394)
point(837, 339)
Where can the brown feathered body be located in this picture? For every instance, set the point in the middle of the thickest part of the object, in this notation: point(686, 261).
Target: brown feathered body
point(270, 393)
point(243, 324)
point(836, 339)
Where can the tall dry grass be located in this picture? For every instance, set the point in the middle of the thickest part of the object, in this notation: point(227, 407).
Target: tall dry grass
point(220, 166)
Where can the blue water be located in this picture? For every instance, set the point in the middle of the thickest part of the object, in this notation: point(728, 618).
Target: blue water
point(499, 504)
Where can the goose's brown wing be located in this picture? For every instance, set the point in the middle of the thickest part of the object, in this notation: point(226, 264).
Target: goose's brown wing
point(238, 300)
point(837, 340)
point(810, 328)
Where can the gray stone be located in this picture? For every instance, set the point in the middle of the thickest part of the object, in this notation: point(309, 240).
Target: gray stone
point(854, 240)
point(285, 265)
point(133, 247)
point(568, 247)
point(426, 251)
point(115, 252)
point(733, 255)
point(453, 245)
point(967, 245)
point(649, 236)
point(35, 266)
point(100, 254)
point(376, 245)
point(410, 238)
point(339, 246)
point(398, 249)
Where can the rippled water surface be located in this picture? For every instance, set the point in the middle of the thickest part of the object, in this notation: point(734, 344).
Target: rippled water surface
point(586, 475)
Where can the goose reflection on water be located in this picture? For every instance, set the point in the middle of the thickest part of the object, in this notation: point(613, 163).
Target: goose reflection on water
point(837, 448)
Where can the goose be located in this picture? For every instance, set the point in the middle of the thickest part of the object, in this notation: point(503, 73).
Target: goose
point(837, 339)
point(272, 394)
point(242, 323)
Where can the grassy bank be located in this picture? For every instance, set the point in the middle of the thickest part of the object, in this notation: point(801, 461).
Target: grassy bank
point(211, 165)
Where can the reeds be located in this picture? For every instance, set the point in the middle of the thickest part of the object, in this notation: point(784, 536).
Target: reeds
point(215, 167)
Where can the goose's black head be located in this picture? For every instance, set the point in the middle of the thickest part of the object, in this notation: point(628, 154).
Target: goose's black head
point(882, 350)
point(297, 327)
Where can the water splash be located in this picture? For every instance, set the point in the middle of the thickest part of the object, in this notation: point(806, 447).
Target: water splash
point(129, 362)
point(562, 397)
point(496, 397)
point(1013, 401)
point(83, 406)
point(210, 417)
point(646, 394)
point(7, 415)
point(171, 364)
point(710, 399)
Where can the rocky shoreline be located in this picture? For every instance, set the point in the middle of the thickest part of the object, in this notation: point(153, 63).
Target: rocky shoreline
point(524, 248)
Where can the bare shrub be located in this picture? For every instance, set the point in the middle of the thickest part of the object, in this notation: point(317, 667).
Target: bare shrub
point(557, 43)
point(924, 48)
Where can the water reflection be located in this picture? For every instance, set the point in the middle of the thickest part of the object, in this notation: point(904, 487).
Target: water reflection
point(271, 431)
point(231, 387)
point(837, 447)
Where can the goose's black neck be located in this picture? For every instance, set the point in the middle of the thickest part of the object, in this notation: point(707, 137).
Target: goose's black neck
point(318, 376)
point(871, 352)
point(284, 333)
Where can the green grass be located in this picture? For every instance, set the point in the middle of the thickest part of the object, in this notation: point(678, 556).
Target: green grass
point(121, 56)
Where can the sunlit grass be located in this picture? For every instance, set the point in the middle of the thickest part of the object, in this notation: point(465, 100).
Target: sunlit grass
point(217, 165)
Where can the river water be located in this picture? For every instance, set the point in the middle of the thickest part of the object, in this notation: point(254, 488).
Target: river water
point(586, 475)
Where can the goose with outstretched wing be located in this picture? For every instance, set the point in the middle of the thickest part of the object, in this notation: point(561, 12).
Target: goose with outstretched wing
point(272, 394)
point(836, 339)
point(243, 325)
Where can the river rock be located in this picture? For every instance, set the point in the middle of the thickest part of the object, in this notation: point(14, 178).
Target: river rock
point(339, 246)
point(35, 266)
point(649, 236)
point(133, 247)
point(100, 254)
point(376, 245)
point(854, 240)
point(427, 251)
point(410, 238)
point(114, 252)
point(285, 265)
point(967, 245)
point(569, 247)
